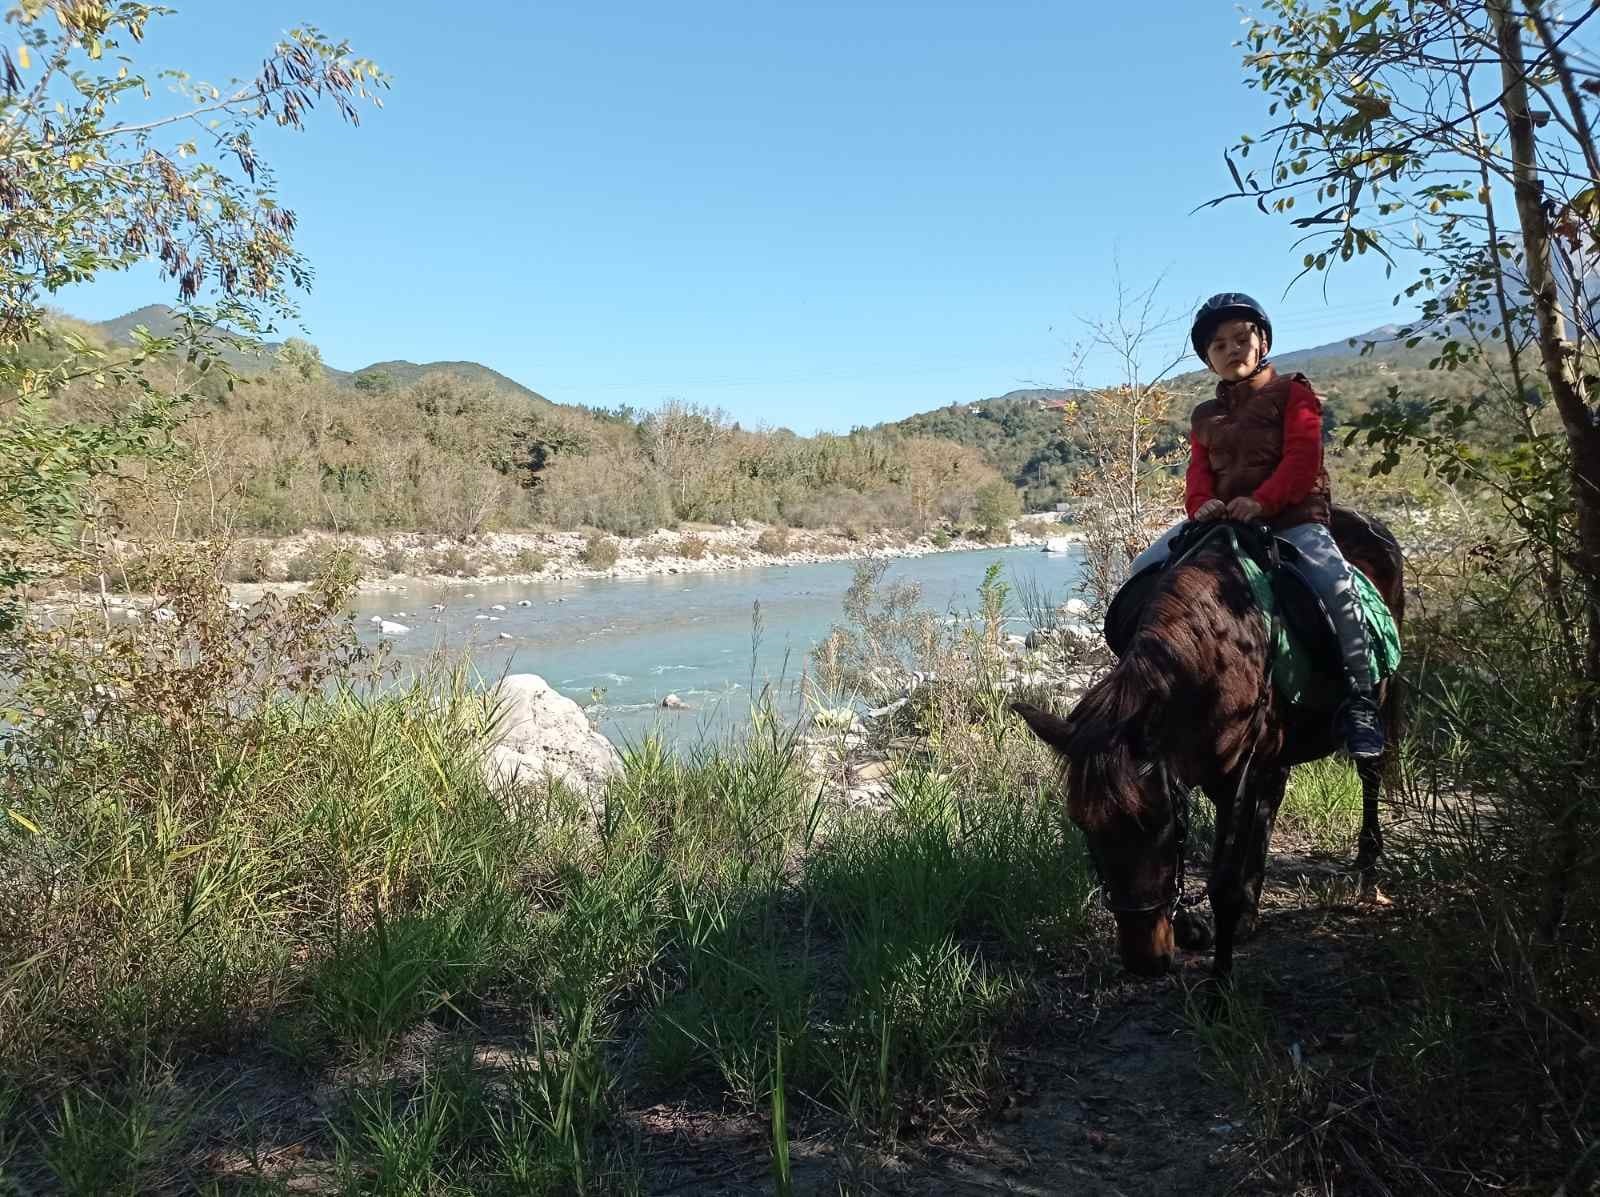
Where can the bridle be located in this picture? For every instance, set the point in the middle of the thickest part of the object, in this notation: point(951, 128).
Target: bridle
point(1178, 824)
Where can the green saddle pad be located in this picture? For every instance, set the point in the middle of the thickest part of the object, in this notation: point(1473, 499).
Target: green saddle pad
point(1293, 673)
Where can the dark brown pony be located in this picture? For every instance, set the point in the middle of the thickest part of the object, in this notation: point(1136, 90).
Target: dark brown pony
point(1191, 704)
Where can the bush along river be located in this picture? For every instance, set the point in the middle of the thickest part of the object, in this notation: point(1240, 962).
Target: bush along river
point(620, 647)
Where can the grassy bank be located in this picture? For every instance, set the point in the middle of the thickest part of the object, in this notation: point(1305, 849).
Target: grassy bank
point(478, 983)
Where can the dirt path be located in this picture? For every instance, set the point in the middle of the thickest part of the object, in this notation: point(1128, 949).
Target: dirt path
point(1110, 1091)
point(1107, 1088)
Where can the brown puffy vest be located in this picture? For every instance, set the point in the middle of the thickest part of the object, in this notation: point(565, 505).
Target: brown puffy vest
point(1242, 431)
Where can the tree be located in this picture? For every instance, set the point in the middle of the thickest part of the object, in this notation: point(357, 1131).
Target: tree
point(87, 187)
point(1401, 128)
point(1123, 438)
point(688, 444)
point(302, 359)
point(994, 506)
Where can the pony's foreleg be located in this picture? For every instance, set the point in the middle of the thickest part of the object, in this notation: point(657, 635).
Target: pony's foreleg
point(1241, 865)
point(1267, 797)
point(1190, 928)
point(1369, 848)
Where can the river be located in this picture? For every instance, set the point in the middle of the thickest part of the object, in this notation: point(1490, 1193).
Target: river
point(619, 646)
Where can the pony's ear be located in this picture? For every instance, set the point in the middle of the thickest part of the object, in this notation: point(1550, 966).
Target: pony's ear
point(1052, 729)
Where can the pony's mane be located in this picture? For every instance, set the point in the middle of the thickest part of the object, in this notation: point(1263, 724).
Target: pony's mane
point(1176, 669)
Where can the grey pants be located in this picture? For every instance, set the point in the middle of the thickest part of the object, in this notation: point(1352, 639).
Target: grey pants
point(1327, 570)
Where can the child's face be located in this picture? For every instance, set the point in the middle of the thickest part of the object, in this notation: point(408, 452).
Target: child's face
point(1234, 350)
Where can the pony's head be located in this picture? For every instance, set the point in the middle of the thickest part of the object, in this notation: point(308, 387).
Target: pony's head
point(1120, 794)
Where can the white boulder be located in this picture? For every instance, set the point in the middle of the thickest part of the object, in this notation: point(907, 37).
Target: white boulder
point(541, 735)
point(390, 628)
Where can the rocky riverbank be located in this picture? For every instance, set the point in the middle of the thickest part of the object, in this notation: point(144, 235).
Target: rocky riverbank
point(856, 753)
point(404, 560)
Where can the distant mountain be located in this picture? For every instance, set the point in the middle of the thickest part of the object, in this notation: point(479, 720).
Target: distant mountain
point(1036, 395)
point(1386, 348)
point(1021, 432)
point(163, 321)
point(403, 373)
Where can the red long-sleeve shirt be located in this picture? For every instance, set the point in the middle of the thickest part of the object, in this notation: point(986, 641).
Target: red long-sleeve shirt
point(1297, 470)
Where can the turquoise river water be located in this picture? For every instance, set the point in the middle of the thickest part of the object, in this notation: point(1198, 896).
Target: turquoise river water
point(619, 646)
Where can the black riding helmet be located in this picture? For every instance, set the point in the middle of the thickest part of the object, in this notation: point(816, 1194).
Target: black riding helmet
point(1222, 307)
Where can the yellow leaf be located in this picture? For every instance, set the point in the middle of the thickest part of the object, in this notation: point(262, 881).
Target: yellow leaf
point(74, 161)
point(23, 59)
point(23, 819)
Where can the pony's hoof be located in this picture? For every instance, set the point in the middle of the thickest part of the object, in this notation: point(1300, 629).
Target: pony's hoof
point(1192, 931)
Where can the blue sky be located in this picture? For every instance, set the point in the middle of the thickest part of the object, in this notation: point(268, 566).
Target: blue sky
point(816, 216)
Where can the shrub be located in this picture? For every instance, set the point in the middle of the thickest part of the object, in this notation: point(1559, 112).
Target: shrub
point(692, 548)
point(835, 506)
point(941, 538)
point(332, 559)
point(240, 564)
point(774, 541)
point(529, 561)
point(455, 561)
point(613, 490)
point(599, 552)
point(396, 559)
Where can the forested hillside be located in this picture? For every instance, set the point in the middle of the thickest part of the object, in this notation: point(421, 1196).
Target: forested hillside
point(458, 448)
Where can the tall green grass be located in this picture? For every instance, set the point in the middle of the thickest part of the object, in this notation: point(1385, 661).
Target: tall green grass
point(700, 927)
point(1323, 803)
point(246, 856)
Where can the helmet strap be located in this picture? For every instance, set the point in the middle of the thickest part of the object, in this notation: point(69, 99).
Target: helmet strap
point(1228, 388)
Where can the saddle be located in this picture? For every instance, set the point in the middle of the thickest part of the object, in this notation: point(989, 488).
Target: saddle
point(1308, 666)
